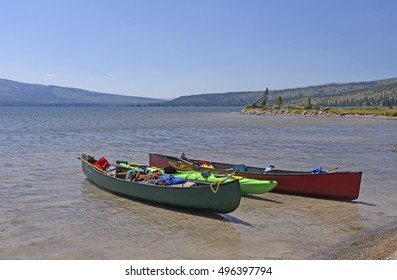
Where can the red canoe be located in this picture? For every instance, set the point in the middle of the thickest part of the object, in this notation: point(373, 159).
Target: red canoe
point(331, 185)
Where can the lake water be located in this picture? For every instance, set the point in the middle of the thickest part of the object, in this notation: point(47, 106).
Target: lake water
point(49, 210)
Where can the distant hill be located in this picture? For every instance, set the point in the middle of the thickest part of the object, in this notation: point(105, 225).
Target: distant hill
point(373, 93)
point(16, 93)
point(216, 99)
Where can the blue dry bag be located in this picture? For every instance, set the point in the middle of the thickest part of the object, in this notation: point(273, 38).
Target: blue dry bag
point(171, 180)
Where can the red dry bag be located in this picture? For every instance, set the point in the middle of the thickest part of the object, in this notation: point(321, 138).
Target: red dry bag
point(102, 163)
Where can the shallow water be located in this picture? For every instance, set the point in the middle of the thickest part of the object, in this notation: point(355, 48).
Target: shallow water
point(49, 210)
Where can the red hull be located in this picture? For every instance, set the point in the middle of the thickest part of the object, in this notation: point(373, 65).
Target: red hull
point(335, 185)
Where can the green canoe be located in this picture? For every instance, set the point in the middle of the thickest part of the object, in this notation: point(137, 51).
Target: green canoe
point(222, 198)
point(248, 186)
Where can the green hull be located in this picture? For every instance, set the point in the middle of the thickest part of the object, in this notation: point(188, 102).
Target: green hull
point(224, 198)
point(248, 186)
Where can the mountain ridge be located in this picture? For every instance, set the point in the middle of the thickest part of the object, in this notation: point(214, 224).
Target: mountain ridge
point(18, 93)
point(370, 93)
point(367, 93)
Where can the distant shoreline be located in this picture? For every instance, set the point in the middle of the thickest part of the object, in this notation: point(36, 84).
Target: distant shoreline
point(322, 112)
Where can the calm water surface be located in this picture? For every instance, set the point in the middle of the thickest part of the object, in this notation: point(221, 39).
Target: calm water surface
point(49, 210)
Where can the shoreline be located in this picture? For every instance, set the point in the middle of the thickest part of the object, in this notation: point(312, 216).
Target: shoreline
point(378, 246)
point(323, 113)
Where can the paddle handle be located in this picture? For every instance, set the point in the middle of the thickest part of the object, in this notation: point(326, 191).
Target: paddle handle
point(332, 169)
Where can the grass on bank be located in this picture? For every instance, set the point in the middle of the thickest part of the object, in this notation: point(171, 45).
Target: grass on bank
point(387, 112)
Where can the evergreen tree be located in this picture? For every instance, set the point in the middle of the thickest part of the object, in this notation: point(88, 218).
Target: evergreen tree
point(265, 98)
point(309, 104)
point(279, 101)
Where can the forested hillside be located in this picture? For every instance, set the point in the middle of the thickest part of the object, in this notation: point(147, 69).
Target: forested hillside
point(367, 94)
point(374, 93)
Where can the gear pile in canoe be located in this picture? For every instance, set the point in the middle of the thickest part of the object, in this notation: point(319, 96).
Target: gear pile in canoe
point(329, 184)
point(156, 187)
point(248, 186)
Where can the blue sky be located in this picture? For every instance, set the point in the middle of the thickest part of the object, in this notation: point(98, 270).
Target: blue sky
point(170, 48)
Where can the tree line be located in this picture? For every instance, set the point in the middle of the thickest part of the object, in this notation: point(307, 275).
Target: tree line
point(361, 99)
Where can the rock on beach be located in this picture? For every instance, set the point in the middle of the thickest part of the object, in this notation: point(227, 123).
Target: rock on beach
point(379, 246)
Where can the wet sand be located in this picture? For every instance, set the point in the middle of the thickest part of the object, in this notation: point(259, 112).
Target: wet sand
point(379, 246)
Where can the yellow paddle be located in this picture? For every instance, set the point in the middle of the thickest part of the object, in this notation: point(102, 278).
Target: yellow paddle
point(90, 164)
point(332, 169)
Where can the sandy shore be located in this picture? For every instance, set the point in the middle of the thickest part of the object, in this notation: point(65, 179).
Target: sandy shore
point(380, 246)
